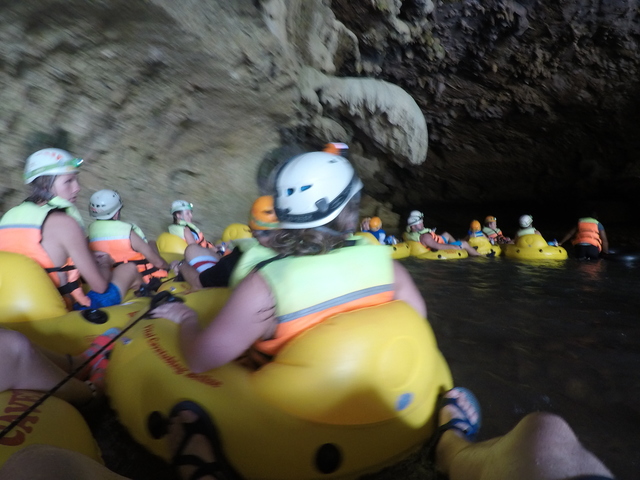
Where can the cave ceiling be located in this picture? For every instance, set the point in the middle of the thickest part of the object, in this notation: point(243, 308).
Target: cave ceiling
point(531, 102)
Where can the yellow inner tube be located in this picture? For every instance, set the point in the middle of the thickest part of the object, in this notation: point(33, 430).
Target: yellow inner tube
point(364, 383)
point(55, 422)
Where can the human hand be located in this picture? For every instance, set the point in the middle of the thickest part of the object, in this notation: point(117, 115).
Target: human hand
point(175, 266)
point(177, 312)
point(103, 259)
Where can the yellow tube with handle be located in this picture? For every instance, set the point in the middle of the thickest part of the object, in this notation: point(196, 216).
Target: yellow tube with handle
point(348, 397)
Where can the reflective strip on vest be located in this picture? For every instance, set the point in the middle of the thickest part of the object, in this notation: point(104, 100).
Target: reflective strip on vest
point(21, 232)
point(114, 238)
point(310, 289)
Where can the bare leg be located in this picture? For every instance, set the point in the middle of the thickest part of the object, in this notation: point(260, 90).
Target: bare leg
point(542, 446)
point(25, 367)
point(472, 251)
point(44, 462)
point(194, 250)
point(126, 277)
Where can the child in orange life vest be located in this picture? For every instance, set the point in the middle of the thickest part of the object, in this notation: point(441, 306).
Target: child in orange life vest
point(492, 231)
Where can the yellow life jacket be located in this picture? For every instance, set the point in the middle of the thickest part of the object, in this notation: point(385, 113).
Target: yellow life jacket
point(178, 230)
point(252, 254)
point(21, 232)
point(114, 238)
point(310, 289)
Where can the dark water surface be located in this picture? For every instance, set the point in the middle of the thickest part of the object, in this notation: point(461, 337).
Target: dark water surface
point(562, 337)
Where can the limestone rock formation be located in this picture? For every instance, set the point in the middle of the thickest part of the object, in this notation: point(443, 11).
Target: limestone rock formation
point(528, 101)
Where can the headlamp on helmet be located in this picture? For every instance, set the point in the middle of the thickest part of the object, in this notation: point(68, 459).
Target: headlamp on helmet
point(50, 161)
point(180, 205)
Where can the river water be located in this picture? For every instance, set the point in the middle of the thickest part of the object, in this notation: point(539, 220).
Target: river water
point(561, 336)
point(556, 336)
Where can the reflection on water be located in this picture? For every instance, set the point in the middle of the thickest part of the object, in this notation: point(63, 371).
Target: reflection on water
point(556, 336)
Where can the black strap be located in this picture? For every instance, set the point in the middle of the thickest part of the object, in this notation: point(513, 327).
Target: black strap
point(69, 287)
point(66, 268)
point(143, 261)
point(264, 263)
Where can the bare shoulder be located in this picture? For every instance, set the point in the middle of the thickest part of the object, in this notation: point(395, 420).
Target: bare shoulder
point(62, 219)
point(63, 225)
point(254, 289)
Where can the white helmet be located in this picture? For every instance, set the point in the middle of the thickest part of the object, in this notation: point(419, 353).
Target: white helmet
point(180, 205)
point(313, 188)
point(104, 204)
point(525, 221)
point(415, 217)
point(50, 161)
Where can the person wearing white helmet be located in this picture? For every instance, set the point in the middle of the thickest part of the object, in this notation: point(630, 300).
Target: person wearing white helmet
point(125, 242)
point(526, 227)
point(320, 270)
point(316, 202)
point(47, 227)
point(417, 232)
point(183, 226)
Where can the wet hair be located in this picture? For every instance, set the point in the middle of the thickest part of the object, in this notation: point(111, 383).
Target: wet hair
point(318, 240)
point(41, 189)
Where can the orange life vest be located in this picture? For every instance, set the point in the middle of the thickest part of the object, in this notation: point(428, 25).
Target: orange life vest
point(21, 232)
point(588, 233)
point(178, 230)
point(437, 238)
point(114, 238)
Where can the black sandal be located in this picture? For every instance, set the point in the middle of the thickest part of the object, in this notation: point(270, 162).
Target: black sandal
point(202, 426)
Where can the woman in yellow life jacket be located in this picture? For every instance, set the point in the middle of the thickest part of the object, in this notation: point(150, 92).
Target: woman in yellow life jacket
point(124, 241)
point(47, 227)
point(319, 271)
point(316, 269)
point(588, 238)
point(183, 226)
point(526, 227)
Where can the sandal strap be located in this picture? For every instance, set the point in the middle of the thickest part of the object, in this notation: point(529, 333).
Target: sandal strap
point(205, 469)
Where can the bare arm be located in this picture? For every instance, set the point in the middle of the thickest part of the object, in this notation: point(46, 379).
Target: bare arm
point(63, 236)
point(188, 236)
point(406, 290)
point(190, 274)
point(569, 234)
point(605, 241)
point(248, 315)
point(140, 246)
point(428, 241)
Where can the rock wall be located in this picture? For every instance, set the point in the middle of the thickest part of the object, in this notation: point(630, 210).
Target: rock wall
point(526, 102)
point(169, 100)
